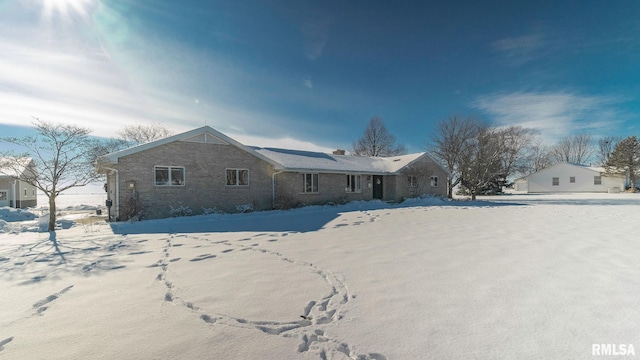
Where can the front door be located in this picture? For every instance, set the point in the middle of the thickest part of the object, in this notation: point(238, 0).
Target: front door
point(4, 198)
point(377, 187)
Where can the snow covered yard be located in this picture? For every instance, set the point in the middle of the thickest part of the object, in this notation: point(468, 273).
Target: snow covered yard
point(523, 276)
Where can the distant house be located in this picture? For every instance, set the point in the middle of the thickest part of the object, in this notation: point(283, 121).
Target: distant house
point(14, 192)
point(203, 169)
point(565, 177)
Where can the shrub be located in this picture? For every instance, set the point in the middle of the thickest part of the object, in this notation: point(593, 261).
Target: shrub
point(181, 210)
point(211, 211)
point(244, 208)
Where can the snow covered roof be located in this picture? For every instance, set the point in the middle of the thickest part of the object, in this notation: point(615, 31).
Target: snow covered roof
point(21, 163)
point(284, 159)
point(298, 160)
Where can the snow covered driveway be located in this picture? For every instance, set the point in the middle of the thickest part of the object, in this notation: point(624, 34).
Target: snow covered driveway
point(526, 278)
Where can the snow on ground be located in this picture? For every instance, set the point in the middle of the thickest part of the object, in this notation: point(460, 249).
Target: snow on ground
point(509, 277)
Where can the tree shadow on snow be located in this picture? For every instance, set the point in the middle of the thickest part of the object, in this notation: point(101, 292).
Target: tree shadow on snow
point(305, 219)
point(49, 258)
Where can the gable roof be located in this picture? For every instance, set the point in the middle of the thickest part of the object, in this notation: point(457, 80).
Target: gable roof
point(22, 163)
point(205, 134)
point(285, 159)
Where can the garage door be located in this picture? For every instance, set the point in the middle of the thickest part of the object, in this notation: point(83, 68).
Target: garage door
point(521, 186)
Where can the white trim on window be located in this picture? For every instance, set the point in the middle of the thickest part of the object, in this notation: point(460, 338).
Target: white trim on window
point(237, 177)
point(168, 175)
point(412, 181)
point(310, 183)
point(597, 180)
point(354, 184)
point(434, 181)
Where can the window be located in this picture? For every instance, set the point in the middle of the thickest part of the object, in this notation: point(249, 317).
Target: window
point(597, 180)
point(412, 181)
point(237, 177)
point(309, 183)
point(572, 179)
point(169, 176)
point(3, 195)
point(354, 183)
point(25, 192)
point(434, 181)
point(555, 181)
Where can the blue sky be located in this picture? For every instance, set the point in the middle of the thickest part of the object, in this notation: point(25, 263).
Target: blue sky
point(310, 74)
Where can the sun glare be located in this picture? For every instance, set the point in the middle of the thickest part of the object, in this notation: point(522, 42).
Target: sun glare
point(65, 8)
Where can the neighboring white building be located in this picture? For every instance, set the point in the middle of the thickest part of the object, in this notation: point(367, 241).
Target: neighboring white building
point(14, 192)
point(565, 177)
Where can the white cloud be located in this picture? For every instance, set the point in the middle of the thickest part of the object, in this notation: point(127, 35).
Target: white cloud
point(553, 114)
point(316, 33)
point(307, 83)
point(519, 50)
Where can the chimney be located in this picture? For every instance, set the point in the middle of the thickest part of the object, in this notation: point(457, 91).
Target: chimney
point(339, 152)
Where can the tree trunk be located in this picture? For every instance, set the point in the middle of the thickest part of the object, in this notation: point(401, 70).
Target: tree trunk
point(449, 188)
point(52, 212)
point(473, 196)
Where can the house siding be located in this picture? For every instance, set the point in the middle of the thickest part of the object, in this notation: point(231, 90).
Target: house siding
point(204, 186)
point(542, 181)
point(331, 189)
point(21, 200)
point(424, 169)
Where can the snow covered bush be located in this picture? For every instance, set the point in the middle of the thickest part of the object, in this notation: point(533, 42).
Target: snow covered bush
point(181, 210)
point(211, 211)
point(244, 208)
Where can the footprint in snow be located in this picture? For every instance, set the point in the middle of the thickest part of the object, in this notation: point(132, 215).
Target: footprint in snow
point(203, 257)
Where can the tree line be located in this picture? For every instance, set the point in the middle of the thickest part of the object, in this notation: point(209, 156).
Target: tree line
point(482, 158)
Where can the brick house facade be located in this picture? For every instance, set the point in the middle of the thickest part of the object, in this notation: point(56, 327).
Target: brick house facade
point(204, 170)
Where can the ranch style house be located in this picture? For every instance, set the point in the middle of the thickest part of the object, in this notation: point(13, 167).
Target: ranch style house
point(204, 170)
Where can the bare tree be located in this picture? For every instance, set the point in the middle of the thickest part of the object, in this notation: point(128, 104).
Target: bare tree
point(132, 135)
point(448, 142)
point(481, 161)
point(606, 145)
point(538, 158)
point(625, 159)
point(62, 157)
point(515, 143)
point(377, 141)
point(575, 149)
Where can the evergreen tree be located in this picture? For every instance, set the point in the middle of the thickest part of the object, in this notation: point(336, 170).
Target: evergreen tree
point(625, 159)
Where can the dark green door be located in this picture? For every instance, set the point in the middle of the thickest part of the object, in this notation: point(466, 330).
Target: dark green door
point(377, 187)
